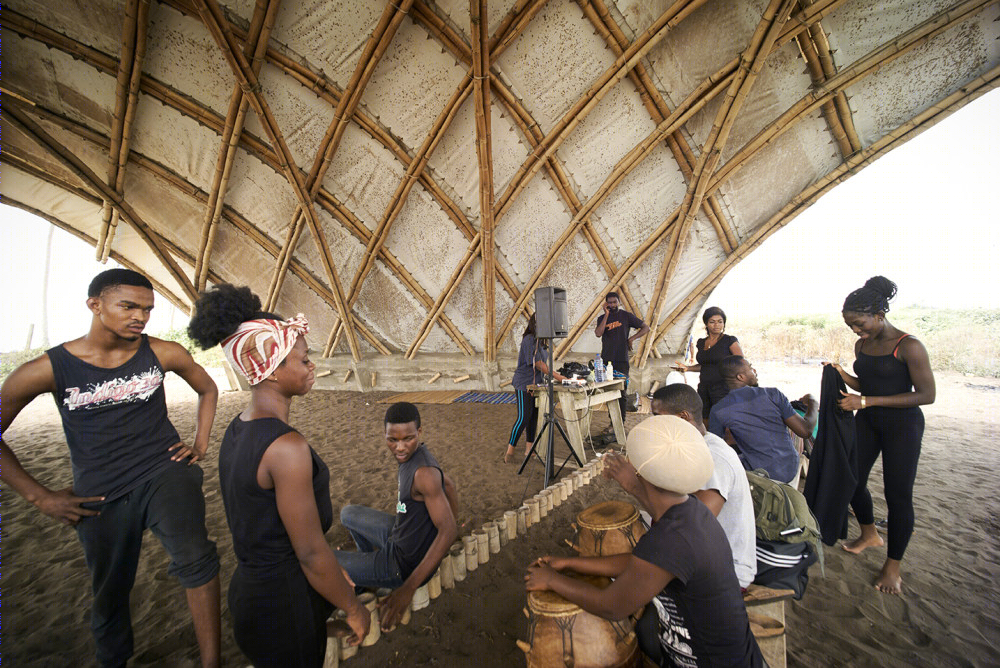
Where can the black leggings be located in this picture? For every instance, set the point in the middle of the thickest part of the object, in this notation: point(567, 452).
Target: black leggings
point(527, 417)
point(896, 433)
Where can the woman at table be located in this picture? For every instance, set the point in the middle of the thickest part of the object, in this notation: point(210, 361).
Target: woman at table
point(712, 349)
point(531, 370)
point(894, 378)
point(275, 489)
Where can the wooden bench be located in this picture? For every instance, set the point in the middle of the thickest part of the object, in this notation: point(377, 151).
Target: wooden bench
point(766, 610)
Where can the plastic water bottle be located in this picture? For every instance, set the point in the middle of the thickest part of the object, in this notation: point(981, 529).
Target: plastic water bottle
point(598, 369)
point(609, 373)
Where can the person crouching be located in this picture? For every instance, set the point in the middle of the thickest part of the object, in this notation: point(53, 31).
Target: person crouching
point(683, 565)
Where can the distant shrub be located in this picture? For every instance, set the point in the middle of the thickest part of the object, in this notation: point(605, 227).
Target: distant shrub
point(963, 340)
point(12, 360)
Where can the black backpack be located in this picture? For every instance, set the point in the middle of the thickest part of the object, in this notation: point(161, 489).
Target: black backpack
point(783, 565)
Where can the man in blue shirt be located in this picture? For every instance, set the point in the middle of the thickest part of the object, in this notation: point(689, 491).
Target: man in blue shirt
point(758, 419)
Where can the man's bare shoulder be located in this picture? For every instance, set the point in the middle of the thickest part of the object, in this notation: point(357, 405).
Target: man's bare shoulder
point(31, 378)
point(170, 353)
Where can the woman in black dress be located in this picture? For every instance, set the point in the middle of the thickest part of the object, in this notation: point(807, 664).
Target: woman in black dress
point(276, 490)
point(894, 378)
point(711, 350)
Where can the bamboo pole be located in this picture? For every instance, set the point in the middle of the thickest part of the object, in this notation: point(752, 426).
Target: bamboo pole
point(347, 375)
point(34, 132)
point(376, 46)
point(434, 378)
point(600, 17)
point(825, 55)
point(261, 24)
point(479, 35)
point(461, 378)
point(808, 49)
point(214, 19)
point(126, 59)
point(442, 300)
point(767, 31)
point(848, 168)
point(590, 99)
point(323, 374)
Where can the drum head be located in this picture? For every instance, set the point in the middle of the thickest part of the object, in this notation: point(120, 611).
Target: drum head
point(552, 604)
point(607, 515)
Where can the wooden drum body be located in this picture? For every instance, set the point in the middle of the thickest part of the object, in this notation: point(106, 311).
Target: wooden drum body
point(610, 527)
point(561, 634)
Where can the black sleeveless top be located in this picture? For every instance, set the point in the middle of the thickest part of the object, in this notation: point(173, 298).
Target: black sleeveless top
point(414, 530)
point(115, 421)
point(709, 359)
point(262, 546)
point(883, 375)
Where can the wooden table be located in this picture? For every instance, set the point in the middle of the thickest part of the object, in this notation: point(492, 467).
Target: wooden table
point(576, 403)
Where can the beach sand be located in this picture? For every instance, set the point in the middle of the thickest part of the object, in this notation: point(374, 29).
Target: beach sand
point(949, 614)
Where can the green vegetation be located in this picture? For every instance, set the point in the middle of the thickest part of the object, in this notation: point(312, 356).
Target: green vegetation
point(967, 341)
point(206, 358)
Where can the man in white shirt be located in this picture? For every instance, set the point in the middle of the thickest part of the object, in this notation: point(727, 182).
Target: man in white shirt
point(727, 493)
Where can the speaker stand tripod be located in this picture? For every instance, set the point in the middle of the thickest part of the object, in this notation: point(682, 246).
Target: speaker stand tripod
point(549, 429)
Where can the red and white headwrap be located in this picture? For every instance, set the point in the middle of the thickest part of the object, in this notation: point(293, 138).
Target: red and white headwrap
point(257, 347)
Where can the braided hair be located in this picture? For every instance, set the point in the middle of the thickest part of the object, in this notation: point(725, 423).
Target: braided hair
point(872, 298)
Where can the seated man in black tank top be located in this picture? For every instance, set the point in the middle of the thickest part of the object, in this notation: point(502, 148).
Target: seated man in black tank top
point(131, 470)
point(402, 551)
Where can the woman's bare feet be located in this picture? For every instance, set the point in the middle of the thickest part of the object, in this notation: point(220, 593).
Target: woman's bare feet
point(889, 580)
point(869, 538)
point(510, 451)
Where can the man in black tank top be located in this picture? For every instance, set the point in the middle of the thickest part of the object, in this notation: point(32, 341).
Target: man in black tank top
point(402, 551)
point(131, 471)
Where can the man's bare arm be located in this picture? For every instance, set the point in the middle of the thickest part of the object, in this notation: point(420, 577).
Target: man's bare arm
point(173, 357)
point(27, 382)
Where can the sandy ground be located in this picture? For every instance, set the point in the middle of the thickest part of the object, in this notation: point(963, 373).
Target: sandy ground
point(948, 616)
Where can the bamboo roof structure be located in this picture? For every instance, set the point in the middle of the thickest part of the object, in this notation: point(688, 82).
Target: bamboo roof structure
point(407, 173)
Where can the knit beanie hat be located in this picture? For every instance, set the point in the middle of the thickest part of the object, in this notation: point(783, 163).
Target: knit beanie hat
point(670, 453)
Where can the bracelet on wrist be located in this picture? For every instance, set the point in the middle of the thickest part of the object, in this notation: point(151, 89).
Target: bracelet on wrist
point(864, 401)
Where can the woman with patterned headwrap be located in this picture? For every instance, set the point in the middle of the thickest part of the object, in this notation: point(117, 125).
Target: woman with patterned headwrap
point(894, 379)
point(275, 488)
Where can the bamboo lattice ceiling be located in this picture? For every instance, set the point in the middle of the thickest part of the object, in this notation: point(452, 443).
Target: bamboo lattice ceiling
point(408, 173)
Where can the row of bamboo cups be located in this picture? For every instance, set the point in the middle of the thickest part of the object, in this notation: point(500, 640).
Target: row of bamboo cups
point(466, 555)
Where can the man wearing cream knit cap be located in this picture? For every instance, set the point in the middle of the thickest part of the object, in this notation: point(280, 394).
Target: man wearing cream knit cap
point(683, 565)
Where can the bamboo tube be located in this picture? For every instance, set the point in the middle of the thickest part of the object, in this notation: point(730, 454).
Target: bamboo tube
point(492, 537)
point(347, 374)
point(511, 517)
point(434, 584)
point(523, 519)
point(458, 561)
point(374, 376)
point(501, 523)
point(421, 598)
point(447, 572)
point(434, 377)
point(471, 553)
point(323, 374)
point(482, 546)
point(534, 510)
point(374, 633)
point(506, 383)
point(544, 502)
point(555, 497)
point(461, 378)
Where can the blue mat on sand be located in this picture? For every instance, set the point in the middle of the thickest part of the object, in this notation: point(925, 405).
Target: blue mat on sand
point(487, 398)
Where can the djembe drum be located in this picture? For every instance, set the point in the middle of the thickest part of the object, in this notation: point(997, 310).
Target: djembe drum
point(610, 527)
point(563, 634)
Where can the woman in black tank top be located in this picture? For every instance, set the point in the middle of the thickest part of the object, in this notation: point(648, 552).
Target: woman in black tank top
point(894, 378)
point(712, 349)
point(276, 490)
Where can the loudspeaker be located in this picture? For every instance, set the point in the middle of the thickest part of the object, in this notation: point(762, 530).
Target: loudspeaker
point(551, 319)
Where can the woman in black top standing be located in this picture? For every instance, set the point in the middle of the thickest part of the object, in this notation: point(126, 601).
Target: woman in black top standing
point(711, 350)
point(276, 490)
point(894, 378)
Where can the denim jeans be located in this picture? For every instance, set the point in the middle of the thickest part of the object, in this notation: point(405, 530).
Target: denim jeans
point(172, 506)
point(373, 565)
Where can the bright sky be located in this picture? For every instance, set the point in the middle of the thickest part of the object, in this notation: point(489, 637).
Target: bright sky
point(925, 215)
